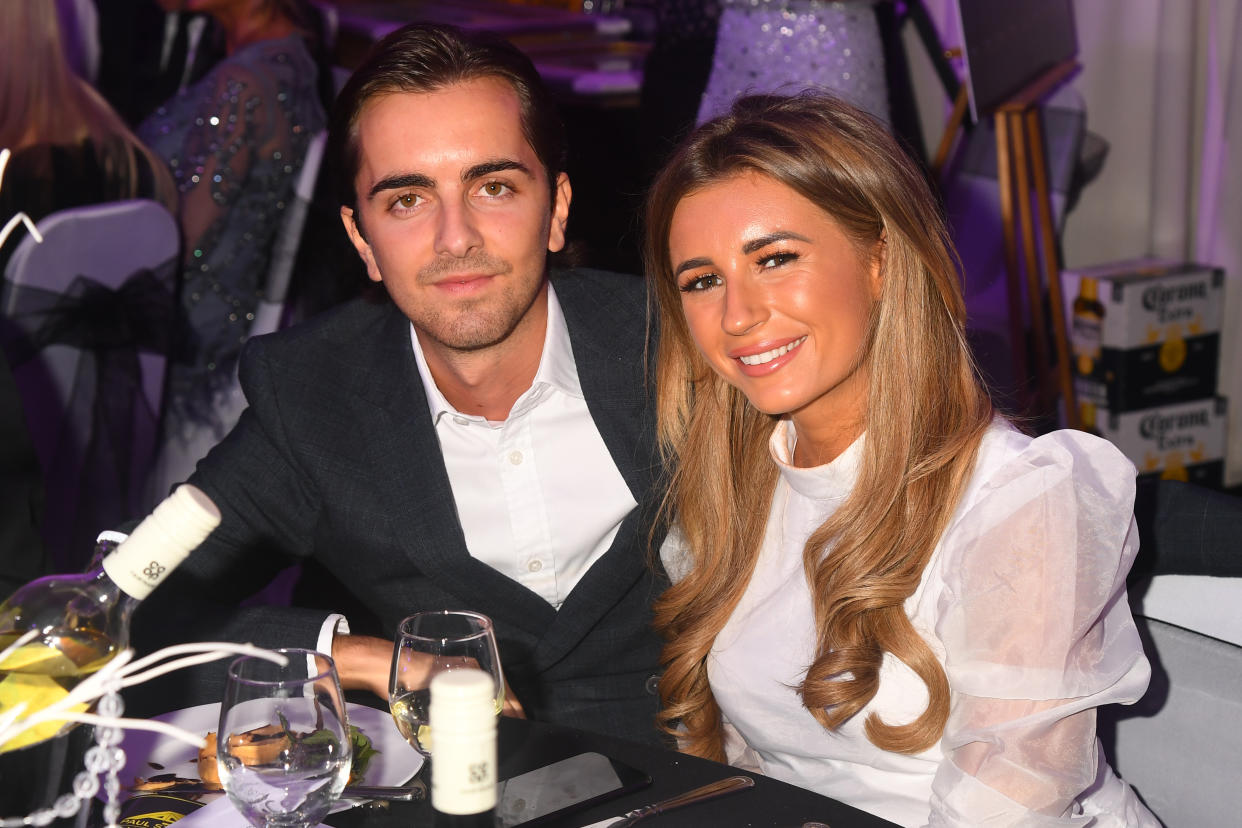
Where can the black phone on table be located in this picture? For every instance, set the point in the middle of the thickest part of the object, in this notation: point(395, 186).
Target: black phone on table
point(561, 788)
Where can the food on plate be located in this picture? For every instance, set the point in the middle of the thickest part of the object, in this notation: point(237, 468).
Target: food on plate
point(169, 783)
point(363, 752)
point(258, 746)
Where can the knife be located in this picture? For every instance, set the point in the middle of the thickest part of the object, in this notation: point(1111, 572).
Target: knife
point(404, 793)
point(699, 794)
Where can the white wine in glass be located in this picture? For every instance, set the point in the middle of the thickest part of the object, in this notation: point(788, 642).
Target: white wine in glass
point(427, 644)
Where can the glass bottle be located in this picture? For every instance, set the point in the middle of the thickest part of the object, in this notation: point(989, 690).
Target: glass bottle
point(77, 623)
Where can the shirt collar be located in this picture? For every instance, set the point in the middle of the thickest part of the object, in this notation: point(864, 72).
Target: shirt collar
point(557, 369)
point(831, 481)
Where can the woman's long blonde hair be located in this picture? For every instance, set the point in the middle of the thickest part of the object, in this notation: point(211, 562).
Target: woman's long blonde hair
point(925, 415)
point(43, 102)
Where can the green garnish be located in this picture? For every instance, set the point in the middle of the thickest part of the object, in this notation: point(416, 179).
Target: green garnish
point(363, 749)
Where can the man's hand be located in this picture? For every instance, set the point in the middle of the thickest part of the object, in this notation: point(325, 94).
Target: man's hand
point(512, 707)
point(364, 662)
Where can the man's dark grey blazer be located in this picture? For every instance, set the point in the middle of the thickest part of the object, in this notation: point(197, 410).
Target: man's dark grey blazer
point(336, 464)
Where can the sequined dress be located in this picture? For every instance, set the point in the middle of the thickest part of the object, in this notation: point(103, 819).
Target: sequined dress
point(787, 46)
point(235, 142)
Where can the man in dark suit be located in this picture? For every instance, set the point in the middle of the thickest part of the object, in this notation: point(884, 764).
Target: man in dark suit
point(149, 51)
point(482, 439)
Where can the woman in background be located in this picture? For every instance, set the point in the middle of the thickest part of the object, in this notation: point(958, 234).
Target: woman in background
point(235, 142)
point(69, 147)
point(785, 46)
point(908, 606)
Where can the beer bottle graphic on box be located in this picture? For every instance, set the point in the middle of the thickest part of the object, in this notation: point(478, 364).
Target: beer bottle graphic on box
point(1087, 327)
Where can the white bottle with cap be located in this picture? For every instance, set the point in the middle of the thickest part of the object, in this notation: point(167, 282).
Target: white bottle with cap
point(463, 769)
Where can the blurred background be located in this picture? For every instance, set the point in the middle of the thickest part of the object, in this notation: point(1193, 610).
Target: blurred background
point(1115, 115)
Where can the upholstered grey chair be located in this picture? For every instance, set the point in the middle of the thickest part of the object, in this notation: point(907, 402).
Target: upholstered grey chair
point(1180, 746)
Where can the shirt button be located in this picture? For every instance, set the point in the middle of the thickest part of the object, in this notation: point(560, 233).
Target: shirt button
point(653, 685)
point(535, 566)
point(515, 457)
point(461, 420)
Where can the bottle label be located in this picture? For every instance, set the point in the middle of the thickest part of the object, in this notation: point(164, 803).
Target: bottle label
point(463, 776)
point(162, 541)
point(136, 574)
point(155, 810)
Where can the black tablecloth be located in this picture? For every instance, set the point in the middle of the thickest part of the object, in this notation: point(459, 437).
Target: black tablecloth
point(527, 745)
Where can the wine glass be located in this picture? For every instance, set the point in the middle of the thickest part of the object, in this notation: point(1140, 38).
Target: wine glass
point(429, 643)
point(283, 745)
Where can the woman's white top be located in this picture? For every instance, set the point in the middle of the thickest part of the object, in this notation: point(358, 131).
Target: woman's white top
point(1024, 602)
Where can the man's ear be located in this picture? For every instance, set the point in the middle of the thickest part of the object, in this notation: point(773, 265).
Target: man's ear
point(360, 243)
point(562, 195)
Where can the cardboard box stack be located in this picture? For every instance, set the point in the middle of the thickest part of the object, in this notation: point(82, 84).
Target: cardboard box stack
point(1146, 342)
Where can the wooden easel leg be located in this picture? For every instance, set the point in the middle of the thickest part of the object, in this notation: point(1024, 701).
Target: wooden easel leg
point(1052, 266)
point(950, 131)
point(1017, 330)
point(1044, 398)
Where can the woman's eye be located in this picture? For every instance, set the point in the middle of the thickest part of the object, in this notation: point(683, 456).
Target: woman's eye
point(777, 259)
point(704, 282)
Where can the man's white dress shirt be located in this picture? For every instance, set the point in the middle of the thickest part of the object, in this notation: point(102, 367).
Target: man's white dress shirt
point(538, 495)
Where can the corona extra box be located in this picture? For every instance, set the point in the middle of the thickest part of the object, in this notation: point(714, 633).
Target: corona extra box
point(1145, 333)
point(1183, 441)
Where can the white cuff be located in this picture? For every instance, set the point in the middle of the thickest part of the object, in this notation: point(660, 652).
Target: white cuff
point(332, 625)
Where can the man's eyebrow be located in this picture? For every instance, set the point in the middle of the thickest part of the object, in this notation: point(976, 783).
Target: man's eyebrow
point(763, 241)
point(487, 168)
point(690, 264)
point(396, 182)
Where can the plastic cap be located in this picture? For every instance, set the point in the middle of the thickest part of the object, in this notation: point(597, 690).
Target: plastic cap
point(162, 541)
point(463, 697)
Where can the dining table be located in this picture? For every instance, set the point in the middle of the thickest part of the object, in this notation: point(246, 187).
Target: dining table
point(524, 745)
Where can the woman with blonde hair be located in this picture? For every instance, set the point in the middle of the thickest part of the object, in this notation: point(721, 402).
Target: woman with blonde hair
point(69, 147)
point(882, 590)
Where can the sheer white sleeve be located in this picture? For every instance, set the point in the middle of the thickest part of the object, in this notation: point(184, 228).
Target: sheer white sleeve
point(1037, 634)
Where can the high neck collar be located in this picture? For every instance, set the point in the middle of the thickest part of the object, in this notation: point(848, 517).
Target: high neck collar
point(832, 480)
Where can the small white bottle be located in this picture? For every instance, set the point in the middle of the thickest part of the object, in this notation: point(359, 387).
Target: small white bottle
point(463, 768)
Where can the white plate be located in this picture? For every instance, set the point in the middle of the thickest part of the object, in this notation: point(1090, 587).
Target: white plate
point(395, 762)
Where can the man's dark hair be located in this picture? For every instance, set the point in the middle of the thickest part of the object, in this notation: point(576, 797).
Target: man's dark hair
point(424, 57)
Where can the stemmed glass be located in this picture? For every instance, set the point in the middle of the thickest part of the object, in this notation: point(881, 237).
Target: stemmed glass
point(429, 643)
point(283, 744)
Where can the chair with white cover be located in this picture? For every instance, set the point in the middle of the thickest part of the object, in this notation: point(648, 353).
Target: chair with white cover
point(87, 323)
point(1180, 746)
point(268, 315)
